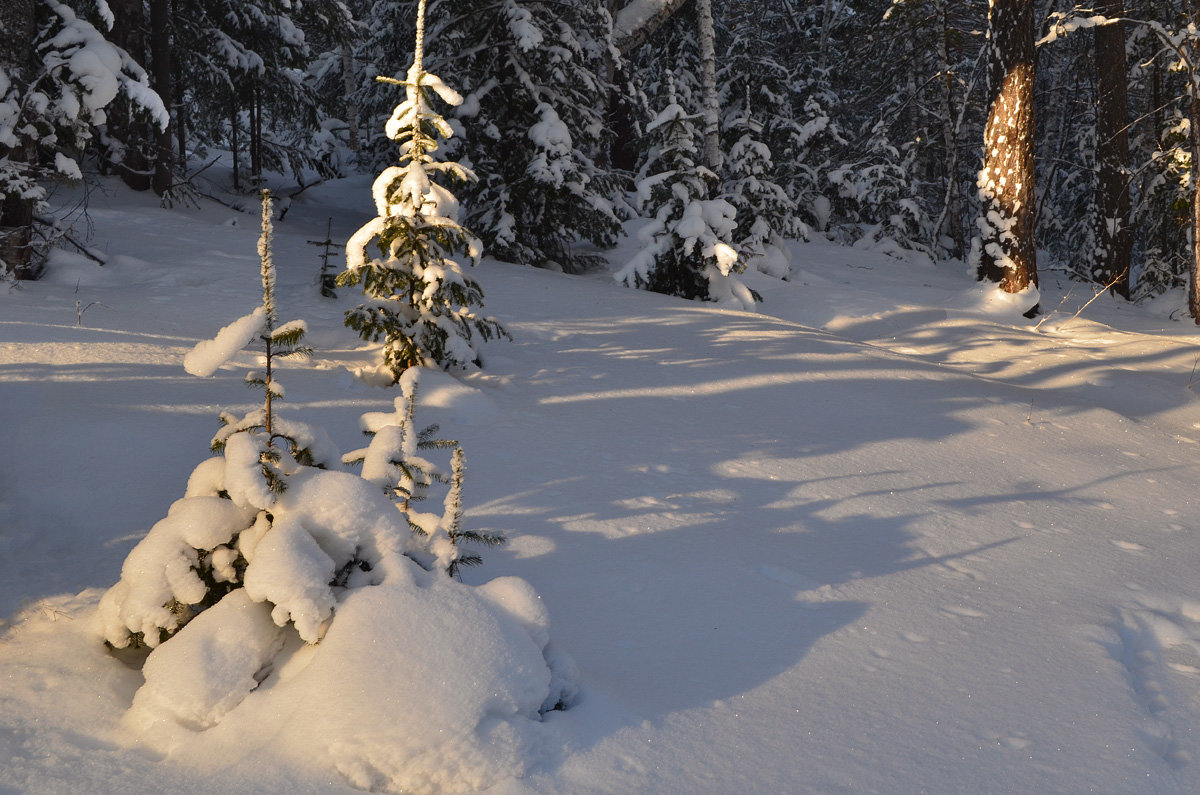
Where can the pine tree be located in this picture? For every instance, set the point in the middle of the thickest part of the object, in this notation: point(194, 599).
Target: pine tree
point(686, 250)
point(420, 299)
point(261, 430)
point(877, 195)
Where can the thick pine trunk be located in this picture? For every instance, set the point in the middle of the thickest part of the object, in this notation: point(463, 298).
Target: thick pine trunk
point(19, 60)
point(1194, 97)
point(1112, 231)
point(1007, 253)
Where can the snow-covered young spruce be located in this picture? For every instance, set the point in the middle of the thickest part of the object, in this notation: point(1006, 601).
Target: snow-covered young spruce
point(419, 300)
point(685, 247)
point(235, 593)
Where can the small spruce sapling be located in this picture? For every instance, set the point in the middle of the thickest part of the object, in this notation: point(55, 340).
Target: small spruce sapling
point(420, 300)
point(394, 462)
point(200, 552)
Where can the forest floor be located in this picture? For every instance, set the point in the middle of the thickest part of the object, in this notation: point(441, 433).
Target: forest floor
point(877, 537)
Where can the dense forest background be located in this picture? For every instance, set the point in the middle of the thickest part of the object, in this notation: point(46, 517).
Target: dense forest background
point(861, 120)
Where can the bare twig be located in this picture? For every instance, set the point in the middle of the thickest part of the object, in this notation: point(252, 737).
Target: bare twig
point(80, 309)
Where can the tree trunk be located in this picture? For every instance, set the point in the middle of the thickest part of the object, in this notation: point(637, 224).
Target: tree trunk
point(951, 226)
point(129, 33)
point(1193, 46)
point(826, 29)
point(349, 85)
point(160, 62)
point(234, 114)
point(1111, 223)
point(708, 86)
point(1007, 252)
point(18, 20)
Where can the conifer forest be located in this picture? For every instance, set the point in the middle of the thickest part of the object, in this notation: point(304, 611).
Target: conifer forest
point(541, 397)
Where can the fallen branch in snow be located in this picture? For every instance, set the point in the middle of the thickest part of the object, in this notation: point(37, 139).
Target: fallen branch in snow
point(1099, 293)
point(67, 237)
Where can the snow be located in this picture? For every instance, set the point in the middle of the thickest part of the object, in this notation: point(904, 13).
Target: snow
point(875, 537)
point(209, 355)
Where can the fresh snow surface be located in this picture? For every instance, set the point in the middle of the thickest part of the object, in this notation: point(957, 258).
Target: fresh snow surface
point(886, 536)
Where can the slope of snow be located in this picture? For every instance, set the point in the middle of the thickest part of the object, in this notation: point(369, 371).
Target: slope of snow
point(873, 539)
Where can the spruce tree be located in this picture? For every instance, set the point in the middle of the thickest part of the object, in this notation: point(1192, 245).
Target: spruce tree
point(686, 250)
point(765, 213)
point(201, 551)
point(395, 462)
point(58, 74)
point(534, 74)
point(420, 300)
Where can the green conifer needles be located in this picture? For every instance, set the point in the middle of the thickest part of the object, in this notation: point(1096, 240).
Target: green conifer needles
point(409, 258)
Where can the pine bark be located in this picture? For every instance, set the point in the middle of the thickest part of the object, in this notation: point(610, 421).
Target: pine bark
point(19, 60)
point(1193, 46)
point(1007, 252)
point(1112, 233)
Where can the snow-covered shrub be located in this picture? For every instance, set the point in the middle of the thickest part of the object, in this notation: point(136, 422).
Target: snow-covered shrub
point(419, 299)
point(685, 246)
point(298, 601)
point(393, 461)
point(203, 549)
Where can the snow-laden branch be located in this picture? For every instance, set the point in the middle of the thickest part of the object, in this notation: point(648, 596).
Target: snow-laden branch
point(639, 19)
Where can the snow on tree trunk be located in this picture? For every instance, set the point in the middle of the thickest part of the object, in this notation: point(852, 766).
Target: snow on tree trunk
point(1005, 252)
point(1111, 221)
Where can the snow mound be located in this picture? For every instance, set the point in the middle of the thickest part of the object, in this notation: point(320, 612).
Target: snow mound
point(330, 641)
point(989, 299)
point(421, 684)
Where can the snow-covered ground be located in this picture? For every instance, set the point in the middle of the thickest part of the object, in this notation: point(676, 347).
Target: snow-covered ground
point(876, 538)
